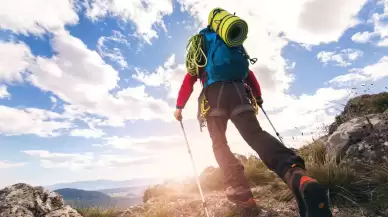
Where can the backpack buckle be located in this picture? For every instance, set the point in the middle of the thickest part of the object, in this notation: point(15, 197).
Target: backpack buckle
point(253, 60)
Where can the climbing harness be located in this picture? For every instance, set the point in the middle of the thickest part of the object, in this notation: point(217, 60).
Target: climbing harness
point(195, 170)
point(252, 99)
point(204, 107)
point(203, 110)
point(277, 133)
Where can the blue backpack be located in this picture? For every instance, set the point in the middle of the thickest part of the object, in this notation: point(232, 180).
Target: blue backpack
point(224, 63)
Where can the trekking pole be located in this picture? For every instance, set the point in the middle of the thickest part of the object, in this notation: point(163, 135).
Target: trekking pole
point(195, 170)
point(269, 120)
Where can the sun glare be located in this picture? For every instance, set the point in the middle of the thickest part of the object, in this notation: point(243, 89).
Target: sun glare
point(178, 166)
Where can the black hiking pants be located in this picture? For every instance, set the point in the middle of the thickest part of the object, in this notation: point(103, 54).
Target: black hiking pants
point(229, 100)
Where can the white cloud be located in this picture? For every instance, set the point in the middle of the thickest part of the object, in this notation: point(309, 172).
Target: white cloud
point(372, 72)
point(53, 99)
point(342, 58)
point(308, 112)
point(7, 164)
point(62, 160)
point(4, 92)
point(77, 67)
point(31, 121)
point(37, 16)
point(383, 42)
point(380, 25)
point(79, 161)
point(161, 76)
point(362, 37)
point(14, 60)
point(144, 14)
point(92, 80)
point(298, 20)
point(170, 62)
point(114, 161)
point(170, 75)
point(334, 18)
point(107, 47)
point(146, 144)
point(87, 133)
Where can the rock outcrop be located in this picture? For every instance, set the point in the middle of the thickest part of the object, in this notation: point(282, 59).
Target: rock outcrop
point(22, 200)
point(360, 106)
point(361, 140)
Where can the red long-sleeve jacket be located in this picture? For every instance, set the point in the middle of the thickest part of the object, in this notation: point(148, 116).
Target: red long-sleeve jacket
point(189, 81)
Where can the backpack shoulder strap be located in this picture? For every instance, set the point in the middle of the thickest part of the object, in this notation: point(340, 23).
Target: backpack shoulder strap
point(251, 60)
point(205, 49)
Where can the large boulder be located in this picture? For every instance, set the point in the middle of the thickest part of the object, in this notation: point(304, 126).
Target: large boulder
point(361, 140)
point(360, 106)
point(22, 200)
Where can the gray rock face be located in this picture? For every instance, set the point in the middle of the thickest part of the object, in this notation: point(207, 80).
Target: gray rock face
point(22, 200)
point(361, 140)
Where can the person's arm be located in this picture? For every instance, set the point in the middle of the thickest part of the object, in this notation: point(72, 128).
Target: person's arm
point(252, 82)
point(185, 90)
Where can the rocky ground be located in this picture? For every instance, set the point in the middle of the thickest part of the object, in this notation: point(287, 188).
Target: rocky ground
point(191, 206)
point(22, 200)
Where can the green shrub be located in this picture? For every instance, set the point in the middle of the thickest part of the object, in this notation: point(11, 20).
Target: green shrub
point(156, 191)
point(98, 212)
point(212, 179)
point(257, 173)
point(314, 153)
point(347, 187)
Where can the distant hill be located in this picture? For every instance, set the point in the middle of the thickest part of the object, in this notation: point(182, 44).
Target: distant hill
point(94, 185)
point(82, 198)
point(86, 198)
point(128, 191)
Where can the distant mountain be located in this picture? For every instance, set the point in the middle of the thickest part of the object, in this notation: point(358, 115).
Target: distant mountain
point(82, 198)
point(94, 185)
point(128, 191)
point(85, 198)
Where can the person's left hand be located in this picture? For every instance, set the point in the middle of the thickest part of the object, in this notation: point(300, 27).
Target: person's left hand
point(259, 101)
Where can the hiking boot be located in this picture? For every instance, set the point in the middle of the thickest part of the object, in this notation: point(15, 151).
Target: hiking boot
point(242, 197)
point(309, 194)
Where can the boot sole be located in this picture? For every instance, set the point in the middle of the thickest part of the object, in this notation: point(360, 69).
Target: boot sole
point(316, 201)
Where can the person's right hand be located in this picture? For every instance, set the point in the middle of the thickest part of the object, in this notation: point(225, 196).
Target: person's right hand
point(178, 114)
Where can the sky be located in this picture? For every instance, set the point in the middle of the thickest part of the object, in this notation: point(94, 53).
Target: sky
point(88, 87)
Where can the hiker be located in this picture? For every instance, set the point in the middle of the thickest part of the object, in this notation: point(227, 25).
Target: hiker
point(231, 89)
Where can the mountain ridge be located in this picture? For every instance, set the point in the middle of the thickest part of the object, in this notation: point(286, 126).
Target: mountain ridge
point(103, 184)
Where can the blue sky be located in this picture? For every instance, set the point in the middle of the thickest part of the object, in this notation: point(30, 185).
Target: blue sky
point(88, 88)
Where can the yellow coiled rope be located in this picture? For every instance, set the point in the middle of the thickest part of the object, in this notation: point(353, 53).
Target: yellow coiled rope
point(194, 55)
